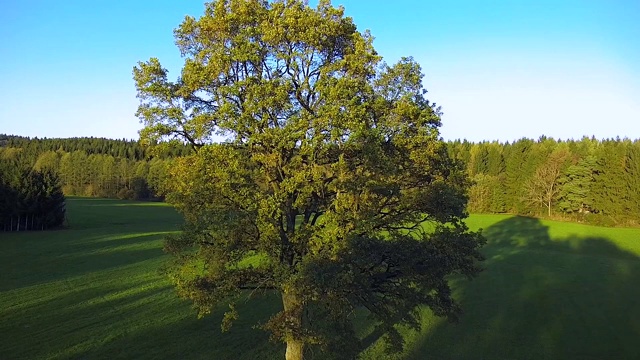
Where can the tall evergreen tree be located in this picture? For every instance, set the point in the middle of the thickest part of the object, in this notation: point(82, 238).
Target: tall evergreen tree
point(609, 190)
point(576, 191)
point(517, 173)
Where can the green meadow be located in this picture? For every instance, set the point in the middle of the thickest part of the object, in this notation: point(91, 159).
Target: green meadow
point(551, 290)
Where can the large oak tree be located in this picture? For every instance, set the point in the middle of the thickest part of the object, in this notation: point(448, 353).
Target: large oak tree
point(331, 166)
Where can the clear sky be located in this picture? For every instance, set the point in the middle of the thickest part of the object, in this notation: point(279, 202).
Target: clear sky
point(500, 69)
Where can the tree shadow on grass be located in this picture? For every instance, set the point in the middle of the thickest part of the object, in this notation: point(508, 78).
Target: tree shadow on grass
point(98, 213)
point(136, 318)
point(61, 261)
point(67, 317)
point(186, 337)
point(542, 298)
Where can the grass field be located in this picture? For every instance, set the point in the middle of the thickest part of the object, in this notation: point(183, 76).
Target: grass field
point(550, 290)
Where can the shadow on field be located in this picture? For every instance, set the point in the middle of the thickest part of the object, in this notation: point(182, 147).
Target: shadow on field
point(190, 338)
point(59, 260)
point(94, 213)
point(543, 298)
point(53, 322)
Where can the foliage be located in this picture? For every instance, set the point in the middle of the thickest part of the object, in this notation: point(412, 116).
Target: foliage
point(577, 186)
point(543, 187)
point(482, 194)
point(332, 162)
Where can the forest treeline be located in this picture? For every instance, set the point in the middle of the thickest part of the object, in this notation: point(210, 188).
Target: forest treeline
point(130, 149)
point(596, 181)
point(590, 180)
point(95, 167)
point(29, 199)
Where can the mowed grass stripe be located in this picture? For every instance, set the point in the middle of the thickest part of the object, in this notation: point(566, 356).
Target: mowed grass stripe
point(550, 290)
point(94, 291)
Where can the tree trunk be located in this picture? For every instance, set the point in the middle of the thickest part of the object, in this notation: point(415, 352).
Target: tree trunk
point(294, 350)
point(293, 308)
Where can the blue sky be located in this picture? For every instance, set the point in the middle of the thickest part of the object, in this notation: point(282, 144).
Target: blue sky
point(501, 69)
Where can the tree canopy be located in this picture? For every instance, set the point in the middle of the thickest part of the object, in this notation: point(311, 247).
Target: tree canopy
point(331, 166)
